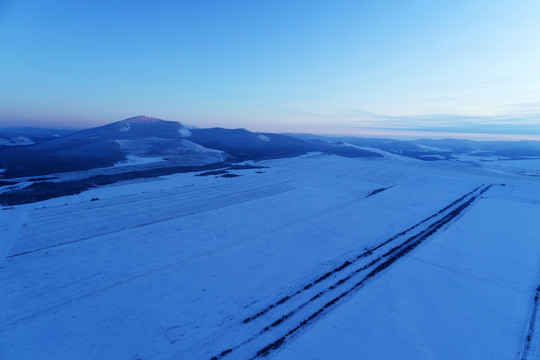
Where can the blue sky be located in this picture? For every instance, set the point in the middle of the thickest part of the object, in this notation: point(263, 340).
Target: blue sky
point(336, 67)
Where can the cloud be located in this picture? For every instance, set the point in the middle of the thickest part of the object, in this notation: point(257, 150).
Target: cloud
point(525, 124)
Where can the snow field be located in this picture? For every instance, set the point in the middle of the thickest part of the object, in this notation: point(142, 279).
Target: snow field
point(170, 268)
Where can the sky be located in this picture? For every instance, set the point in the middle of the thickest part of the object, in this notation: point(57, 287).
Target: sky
point(331, 67)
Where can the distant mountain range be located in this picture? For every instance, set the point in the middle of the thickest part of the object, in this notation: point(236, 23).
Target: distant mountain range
point(32, 152)
point(144, 140)
point(442, 149)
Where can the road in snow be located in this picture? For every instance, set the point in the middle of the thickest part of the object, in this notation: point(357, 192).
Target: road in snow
point(171, 268)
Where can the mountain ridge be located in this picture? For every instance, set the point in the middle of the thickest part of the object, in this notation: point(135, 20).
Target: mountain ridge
point(145, 136)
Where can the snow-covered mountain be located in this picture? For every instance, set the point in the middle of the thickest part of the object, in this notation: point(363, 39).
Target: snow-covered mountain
point(141, 136)
point(105, 146)
point(147, 142)
point(144, 140)
point(439, 149)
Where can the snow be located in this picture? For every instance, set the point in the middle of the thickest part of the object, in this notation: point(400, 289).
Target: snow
point(520, 168)
point(178, 149)
point(440, 157)
point(18, 185)
point(184, 132)
point(196, 148)
point(312, 154)
point(385, 154)
point(464, 295)
point(263, 138)
point(529, 167)
point(170, 267)
point(134, 160)
point(16, 141)
point(477, 158)
point(433, 148)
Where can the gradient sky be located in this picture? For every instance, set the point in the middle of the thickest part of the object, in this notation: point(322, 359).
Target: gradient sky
point(307, 66)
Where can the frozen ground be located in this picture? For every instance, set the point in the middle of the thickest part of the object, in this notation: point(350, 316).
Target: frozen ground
point(295, 261)
point(135, 160)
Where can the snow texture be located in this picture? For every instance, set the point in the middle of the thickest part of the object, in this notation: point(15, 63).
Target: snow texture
point(184, 132)
point(134, 160)
point(16, 141)
point(186, 267)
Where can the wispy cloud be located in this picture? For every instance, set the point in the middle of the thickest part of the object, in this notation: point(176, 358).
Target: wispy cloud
point(523, 124)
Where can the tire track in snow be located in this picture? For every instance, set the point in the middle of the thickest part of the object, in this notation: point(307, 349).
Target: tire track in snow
point(265, 351)
point(531, 330)
point(373, 268)
point(12, 231)
point(350, 262)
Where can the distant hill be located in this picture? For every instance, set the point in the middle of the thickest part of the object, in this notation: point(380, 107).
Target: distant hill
point(25, 136)
point(144, 141)
point(439, 149)
point(105, 146)
point(144, 137)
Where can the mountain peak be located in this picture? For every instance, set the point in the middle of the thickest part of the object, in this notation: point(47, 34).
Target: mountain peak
point(141, 119)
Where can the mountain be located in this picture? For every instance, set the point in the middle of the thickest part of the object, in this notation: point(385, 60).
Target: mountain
point(439, 149)
point(245, 145)
point(242, 144)
point(17, 140)
point(136, 136)
point(144, 142)
point(104, 146)
point(143, 139)
point(25, 136)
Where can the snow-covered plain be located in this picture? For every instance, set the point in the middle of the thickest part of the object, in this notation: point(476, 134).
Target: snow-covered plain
point(187, 267)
